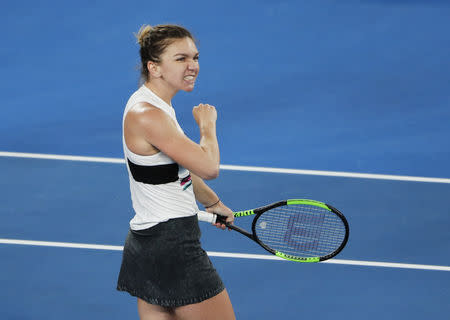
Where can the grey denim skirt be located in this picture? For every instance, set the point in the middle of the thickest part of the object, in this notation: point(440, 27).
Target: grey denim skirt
point(165, 265)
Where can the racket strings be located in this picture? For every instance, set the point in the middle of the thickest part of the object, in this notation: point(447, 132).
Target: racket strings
point(301, 230)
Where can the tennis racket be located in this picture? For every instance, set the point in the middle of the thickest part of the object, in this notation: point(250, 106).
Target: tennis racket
point(298, 229)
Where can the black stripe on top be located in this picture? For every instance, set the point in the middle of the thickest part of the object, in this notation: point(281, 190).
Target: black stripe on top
point(159, 174)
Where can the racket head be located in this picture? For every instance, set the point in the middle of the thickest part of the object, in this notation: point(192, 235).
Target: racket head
point(301, 230)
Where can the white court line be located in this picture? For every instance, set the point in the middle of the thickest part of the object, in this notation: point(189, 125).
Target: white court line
point(228, 255)
point(60, 157)
point(239, 168)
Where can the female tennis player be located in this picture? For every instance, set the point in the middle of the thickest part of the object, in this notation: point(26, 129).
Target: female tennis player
point(163, 264)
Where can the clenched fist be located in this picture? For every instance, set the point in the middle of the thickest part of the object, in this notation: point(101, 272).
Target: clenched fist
point(204, 114)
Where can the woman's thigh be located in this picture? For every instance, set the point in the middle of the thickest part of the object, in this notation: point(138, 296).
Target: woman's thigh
point(153, 312)
point(216, 308)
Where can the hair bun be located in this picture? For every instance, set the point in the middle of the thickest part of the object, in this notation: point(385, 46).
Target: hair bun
point(143, 34)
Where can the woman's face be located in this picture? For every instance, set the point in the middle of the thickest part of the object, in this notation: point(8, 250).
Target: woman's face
point(179, 64)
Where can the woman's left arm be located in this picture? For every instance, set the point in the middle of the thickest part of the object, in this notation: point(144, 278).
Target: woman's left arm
point(210, 200)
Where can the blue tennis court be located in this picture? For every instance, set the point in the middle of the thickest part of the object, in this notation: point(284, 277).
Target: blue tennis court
point(346, 103)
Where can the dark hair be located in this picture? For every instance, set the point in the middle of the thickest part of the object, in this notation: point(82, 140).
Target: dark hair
point(154, 40)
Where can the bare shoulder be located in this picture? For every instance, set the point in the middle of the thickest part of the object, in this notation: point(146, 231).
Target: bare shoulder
point(150, 123)
point(142, 112)
point(148, 116)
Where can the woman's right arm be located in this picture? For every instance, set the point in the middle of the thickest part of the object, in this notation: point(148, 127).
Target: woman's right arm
point(156, 127)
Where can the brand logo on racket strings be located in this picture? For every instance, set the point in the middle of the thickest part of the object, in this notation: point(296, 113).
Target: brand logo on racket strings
point(303, 232)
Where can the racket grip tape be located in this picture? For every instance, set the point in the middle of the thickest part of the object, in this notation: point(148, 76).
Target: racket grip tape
point(207, 217)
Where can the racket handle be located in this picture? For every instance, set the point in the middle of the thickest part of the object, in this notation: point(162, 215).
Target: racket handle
point(207, 217)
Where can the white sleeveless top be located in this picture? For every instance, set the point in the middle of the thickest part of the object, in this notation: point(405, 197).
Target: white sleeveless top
point(160, 188)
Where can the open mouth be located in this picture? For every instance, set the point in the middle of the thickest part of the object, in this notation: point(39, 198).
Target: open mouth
point(189, 78)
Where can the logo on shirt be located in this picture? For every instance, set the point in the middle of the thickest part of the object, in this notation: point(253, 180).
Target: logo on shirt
point(186, 182)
